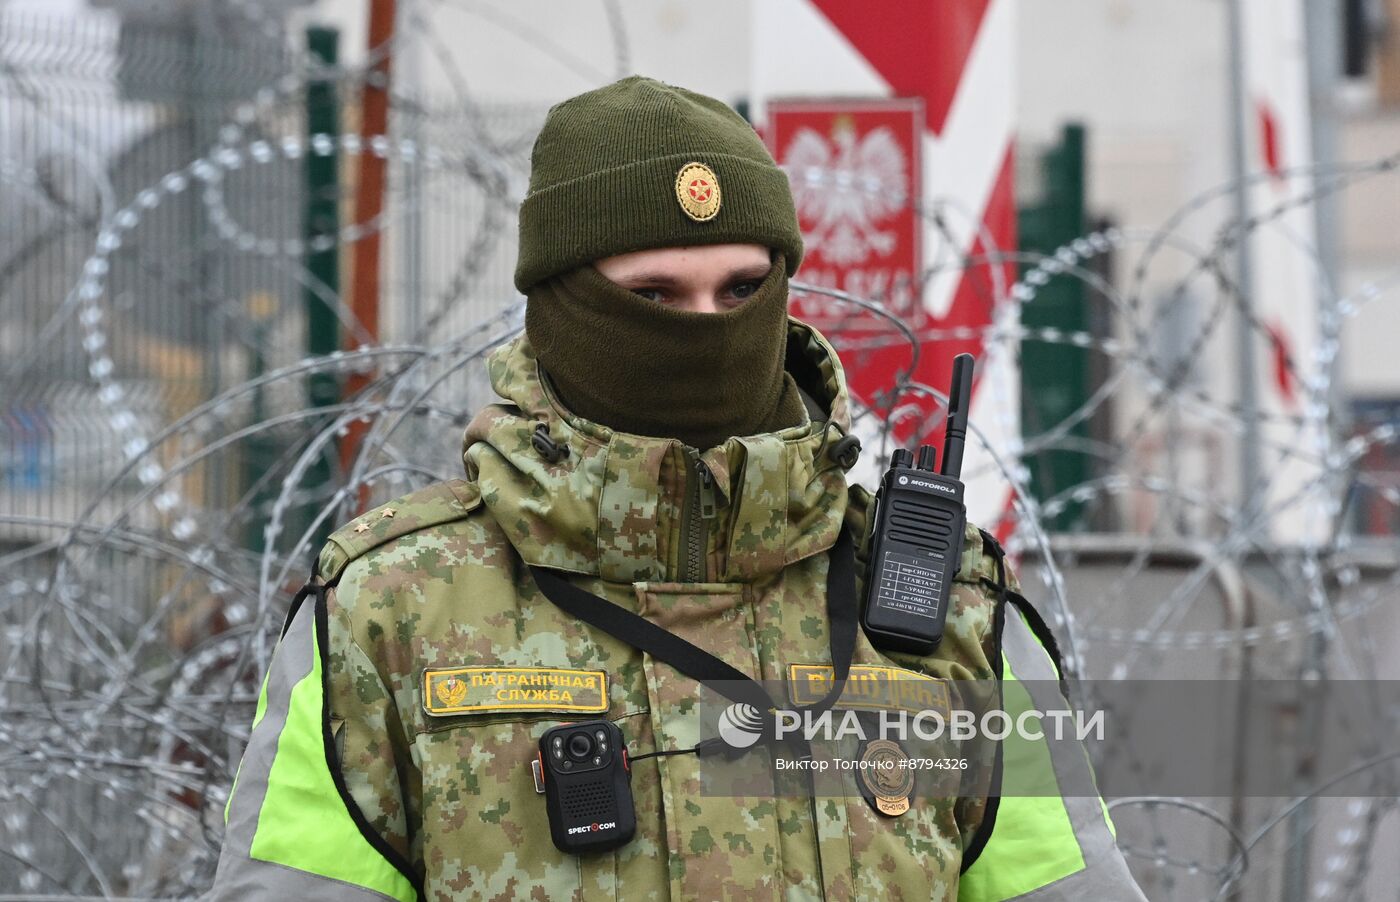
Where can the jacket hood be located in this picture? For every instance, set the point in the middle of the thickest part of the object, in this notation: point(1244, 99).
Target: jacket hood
point(612, 506)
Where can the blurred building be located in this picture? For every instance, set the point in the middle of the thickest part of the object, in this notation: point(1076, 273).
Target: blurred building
point(1149, 83)
point(1080, 158)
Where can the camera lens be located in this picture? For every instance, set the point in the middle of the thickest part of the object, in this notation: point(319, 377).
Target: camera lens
point(580, 746)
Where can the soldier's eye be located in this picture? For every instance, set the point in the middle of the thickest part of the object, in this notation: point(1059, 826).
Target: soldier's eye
point(651, 294)
point(744, 290)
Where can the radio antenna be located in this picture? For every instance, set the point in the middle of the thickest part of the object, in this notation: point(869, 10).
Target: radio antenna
point(959, 400)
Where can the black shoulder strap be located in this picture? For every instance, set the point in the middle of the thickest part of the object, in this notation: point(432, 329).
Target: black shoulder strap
point(699, 664)
point(1006, 595)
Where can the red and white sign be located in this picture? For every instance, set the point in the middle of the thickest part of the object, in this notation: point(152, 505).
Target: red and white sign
point(854, 169)
point(955, 57)
point(1285, 277)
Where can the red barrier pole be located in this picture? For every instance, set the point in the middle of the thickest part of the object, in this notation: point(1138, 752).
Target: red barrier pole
point(369, 203)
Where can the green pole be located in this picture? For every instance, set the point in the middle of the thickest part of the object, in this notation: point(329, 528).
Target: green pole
point(321, 218)
point(1055, 377)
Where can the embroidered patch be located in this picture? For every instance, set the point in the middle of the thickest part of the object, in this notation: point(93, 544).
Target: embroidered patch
point(697, 189)
point(468, 690)
point(869, 686)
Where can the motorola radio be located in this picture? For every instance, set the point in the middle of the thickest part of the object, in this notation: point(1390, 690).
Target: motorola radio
point(583, 772)
point(916, 543)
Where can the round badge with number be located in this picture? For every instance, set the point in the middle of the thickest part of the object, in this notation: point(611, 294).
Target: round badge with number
point(885, 777)
point(697, 190)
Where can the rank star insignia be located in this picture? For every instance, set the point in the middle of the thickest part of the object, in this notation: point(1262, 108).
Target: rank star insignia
point(697, 191)
point(885, 777)
point(388, 512)
point(362, 527)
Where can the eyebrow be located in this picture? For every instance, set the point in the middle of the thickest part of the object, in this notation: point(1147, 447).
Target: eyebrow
point(755, 272)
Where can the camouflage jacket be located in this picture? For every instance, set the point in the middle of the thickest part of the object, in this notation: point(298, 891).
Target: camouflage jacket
point(442, 663)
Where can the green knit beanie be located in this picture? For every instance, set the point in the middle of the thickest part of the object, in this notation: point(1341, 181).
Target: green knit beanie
point(639, 164)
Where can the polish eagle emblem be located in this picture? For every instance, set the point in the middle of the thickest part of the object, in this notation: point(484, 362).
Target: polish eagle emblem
point(844, 187)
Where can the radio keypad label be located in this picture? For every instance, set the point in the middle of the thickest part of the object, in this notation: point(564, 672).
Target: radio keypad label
point(910, 584)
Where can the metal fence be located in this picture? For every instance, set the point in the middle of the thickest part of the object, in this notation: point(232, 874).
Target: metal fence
point(153, 318)
point(178, 262)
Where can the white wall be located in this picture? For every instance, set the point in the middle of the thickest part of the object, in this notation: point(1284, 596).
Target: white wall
point(1370, 219)
point(547, 50)
point(1148, 79)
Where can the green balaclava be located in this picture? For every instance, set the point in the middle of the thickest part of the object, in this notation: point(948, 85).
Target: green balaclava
point(637, 165)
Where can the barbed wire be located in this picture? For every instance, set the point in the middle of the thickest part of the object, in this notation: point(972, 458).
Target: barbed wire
point(138, 609)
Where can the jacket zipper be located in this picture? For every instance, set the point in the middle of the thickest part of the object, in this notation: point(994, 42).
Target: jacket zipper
point(698, 510)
